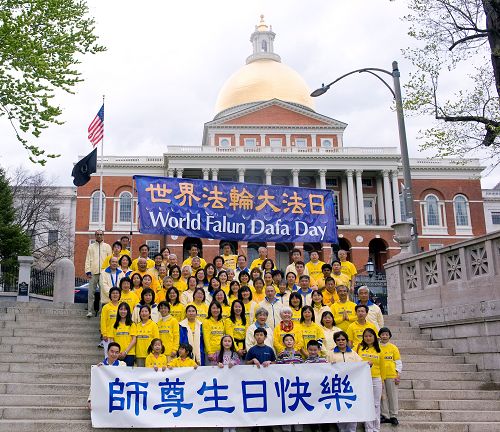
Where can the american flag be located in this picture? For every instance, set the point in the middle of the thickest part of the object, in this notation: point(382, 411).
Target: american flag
point(96, 128)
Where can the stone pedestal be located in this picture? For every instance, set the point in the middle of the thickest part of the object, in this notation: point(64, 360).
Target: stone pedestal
point(64, 281)
point(24, 280)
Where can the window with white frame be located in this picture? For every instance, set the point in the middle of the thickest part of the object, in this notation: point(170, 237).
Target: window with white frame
point(369, 206)
point(125, 207)
point(433, 215)
point(461, 208)
point(54, 213)
point(53, 237)
point(154, 247)
point(94, 207)
point(434, 246)
point(224, 142)
point(326, 143)
point(250, 142)
point(495, 217)
point(275, 142)
point(300, 143)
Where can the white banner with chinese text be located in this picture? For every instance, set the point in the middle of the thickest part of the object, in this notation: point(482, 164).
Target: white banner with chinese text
point(125, 397)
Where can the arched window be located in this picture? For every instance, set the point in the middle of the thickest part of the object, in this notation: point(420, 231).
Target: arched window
point(94, 207)
point(264, 46)
point(125, 207)
point(461, 208)
point(432, 211)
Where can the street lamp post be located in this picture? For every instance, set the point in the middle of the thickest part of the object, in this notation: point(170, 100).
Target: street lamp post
point(405, 161)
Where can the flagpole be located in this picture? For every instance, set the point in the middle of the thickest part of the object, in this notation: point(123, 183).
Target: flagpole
point(100, 180)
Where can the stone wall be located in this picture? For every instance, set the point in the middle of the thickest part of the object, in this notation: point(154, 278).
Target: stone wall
point(453, 294)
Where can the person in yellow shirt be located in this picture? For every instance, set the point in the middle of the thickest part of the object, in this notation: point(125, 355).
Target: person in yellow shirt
point(257, 262)
point(224, 284)
point(124, 332)
point(127, 295)
point(143, 253)
point(347, 268)
point(343, 310)
point(147, 330)
point(141, 266)
point(314, 268)
point(193, 252)
point(177, 309)
point(258, 293)
point(156, 358)
point(393, 369)
point(236, 326)
point(339, 277)
point(199, 301)
point(213, 330)
point(309, 329)
point(295, 303)
point(220, 296)
point(125, 241)
point(230, 260)
point(326, 272)
point(287, 327)
point(155, 270)
point(330, 295)
point(124, 263)
point(369, 351)
point(318, 306)
point(356, 329)
point(234, 289)
point(185, 357)
point(108, 315)
point(246, 297)
point(116, 249)
point(136, 279)
point(168, 327)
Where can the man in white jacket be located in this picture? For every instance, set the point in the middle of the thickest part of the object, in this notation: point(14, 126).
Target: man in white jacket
point(374, 313)
point(273, 306)
point(96, 253)
point(110, 277)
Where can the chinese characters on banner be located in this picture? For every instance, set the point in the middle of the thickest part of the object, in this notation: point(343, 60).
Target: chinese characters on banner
point(235, 211)
point(238, 397)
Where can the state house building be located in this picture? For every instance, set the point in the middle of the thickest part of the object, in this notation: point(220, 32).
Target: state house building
point(266, 131)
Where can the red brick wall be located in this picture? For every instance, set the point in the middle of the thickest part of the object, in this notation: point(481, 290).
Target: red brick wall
point(275, 115)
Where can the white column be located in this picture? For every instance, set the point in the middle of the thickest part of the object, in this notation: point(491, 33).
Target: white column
point(179, 172)
point(351, 195)
point(380, 200)
point(215, 171)
point(295, 177)
point(314, 144)
point(211, 137)
point(237, 139)
point(262, 140)
point(287, 139)
point(322, 178)
point(345, 202)
point(359, 195)
point(241, 175)
point(170, 172)
point(269, 173)
point(389, 219)
point(206, 173)
point(395, 194)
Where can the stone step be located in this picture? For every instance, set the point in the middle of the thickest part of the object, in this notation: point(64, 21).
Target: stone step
point(50, 349)
point(72, 326)
point(443, 385)
point(81, 331)
point(88, 358)
point(65, 343)
point(40, 413)
point(426, 351)
point(435, 366)
point(410, 426)
point(45, 389)
point(415, 343)
point(449, 416)
point(30, 377)
point(447, 359)
point(446, 376)
point(423, 395)
point(48, 400)
point(462, 405)
point(47, 367)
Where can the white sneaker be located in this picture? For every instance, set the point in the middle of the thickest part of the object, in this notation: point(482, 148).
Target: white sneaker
point(90, 315)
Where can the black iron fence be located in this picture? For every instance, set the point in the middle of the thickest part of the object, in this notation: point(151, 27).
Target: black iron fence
point(9, 277)
point(378, 289)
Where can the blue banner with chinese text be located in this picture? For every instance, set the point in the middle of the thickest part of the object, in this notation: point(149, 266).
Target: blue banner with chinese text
point(235, 211)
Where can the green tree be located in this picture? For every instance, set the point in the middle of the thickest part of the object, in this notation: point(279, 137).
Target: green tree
point(41, 42)
point(457, 38)
point(13, 241)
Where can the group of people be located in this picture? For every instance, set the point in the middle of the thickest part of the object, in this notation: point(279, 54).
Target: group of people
point(159, 314)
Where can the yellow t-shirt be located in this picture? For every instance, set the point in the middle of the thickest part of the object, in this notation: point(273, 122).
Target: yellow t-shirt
point(341, 279)
point(187, 362)
point(230, 261)
point(202, 310)
point(256, 297)
point(212, 334)
point(189, 260)
point(348, 268)
point(250, 309)
point(168, 327)
point(278, 335)
point(311, 332)
point(237, 331)
point(181, 285)
point(105, 263)
point(330, 298)
point(355, 332)
point(134, 267)
point(178, 311)
point(130, 298)
point(108, 318)
point(378, 363)
point(226, 311)
point(160, 361)
point(314, 270)
point(123, 336)
point(296, 315)
point(391, 354)
point(145, 334)
point(257, 262)
point(338, 310)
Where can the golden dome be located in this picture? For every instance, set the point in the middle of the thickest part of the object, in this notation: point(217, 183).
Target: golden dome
point(262, 80)
point(262, 26)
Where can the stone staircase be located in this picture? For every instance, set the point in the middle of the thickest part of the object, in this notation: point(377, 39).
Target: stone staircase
point(46, 351)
